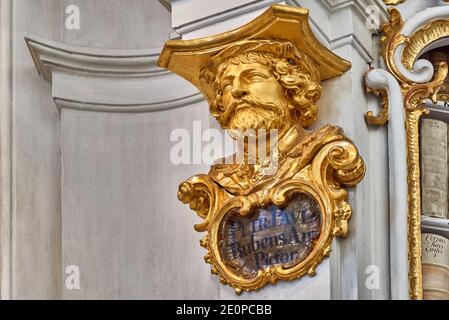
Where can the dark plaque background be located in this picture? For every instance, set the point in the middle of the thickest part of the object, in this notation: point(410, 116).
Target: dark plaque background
point(270, 236)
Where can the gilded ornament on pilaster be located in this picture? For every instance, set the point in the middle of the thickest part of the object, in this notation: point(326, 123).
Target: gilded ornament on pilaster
point(414, 94)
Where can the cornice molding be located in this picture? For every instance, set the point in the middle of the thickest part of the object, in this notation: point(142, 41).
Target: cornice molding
point(108, 80)
point(129, 108)
point(331, 6)
point(48, 55)
point(355, 42)
point(223, 15)
point(359, 7)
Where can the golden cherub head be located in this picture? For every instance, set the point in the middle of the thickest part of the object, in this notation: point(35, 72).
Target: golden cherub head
point(262, 84)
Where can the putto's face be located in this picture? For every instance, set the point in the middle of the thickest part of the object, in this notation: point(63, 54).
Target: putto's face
point(252, 98)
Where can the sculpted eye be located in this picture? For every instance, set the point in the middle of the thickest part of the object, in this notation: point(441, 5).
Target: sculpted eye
point(226, 86)
point(257, 76)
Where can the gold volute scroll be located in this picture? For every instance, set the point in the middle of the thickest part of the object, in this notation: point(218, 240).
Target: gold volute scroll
point(422, 38)
point(268, 218)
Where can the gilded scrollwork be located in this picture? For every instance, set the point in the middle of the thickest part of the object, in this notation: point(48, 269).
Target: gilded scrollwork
point(321, 180)
point(396, 2)
point(383, 116)
point(266, 76)
point(203, 196)
point(422, 38)
point(393, 2)
point(391, 39)
point(414, 94)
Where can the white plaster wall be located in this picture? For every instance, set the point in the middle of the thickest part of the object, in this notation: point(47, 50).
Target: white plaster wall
point(32, 244)
point(122, 223)
point(35, 197)
point(119, 24)
point(344, 103)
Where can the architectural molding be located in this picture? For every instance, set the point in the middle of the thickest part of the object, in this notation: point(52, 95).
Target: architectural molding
point(49, 55)
point(360, 9)
point(329, 7)
point(129, 108)
point(108, 80)
point(423, 70)
point(240, 10)
point(360, 5)
point(381, 80)
point(355, 42)
point(253, 5)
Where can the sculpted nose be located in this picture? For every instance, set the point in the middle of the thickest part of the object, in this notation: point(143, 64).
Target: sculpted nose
point(238, 91)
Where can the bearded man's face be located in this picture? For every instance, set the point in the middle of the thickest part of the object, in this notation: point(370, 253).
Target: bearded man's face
point(252, 98)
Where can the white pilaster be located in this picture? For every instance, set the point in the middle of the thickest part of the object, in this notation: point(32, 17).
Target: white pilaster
point(381, 79)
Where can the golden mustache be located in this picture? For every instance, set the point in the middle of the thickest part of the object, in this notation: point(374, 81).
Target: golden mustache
point(248, 102)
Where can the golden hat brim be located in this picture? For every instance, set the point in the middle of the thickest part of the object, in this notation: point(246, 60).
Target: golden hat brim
point(188, 57)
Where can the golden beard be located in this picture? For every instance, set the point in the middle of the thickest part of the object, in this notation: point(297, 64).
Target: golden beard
point(256, 118)
point(258, 114)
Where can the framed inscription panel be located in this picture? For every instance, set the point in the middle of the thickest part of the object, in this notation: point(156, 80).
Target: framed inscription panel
point(270, 236)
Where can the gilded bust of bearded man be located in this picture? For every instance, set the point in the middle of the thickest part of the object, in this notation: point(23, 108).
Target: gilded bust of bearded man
point(266, 84)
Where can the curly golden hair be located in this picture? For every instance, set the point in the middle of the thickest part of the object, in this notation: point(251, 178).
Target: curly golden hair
point(297, 76)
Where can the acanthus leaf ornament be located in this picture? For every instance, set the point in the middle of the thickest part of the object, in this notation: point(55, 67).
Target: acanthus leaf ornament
point(270, 219)
point(422, 38)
